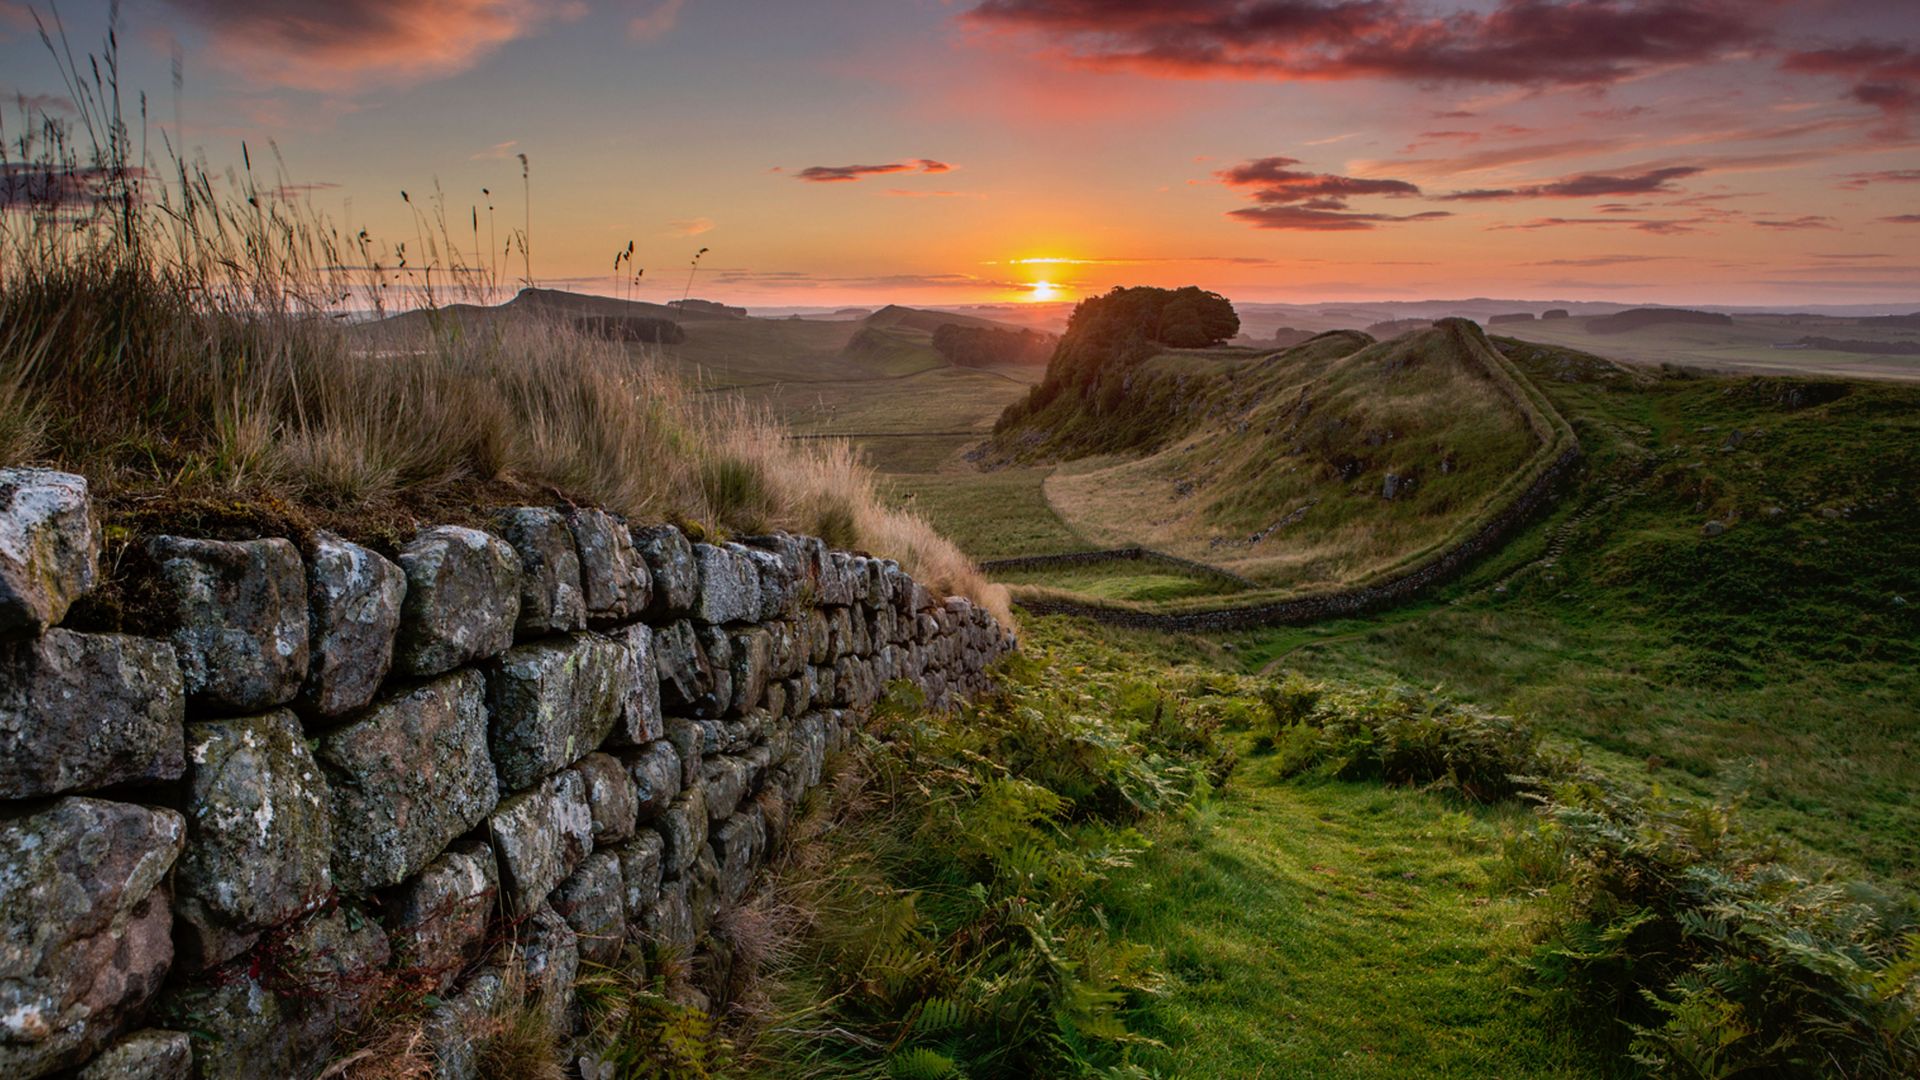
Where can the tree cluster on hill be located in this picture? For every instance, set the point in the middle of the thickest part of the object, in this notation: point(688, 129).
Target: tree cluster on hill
point(986, 346)
point(1108, 337)
point(1635, 318)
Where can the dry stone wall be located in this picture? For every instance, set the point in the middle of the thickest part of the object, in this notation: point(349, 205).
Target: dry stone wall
point(497, 755)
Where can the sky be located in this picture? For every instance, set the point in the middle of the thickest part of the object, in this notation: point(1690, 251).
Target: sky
point(854, 152)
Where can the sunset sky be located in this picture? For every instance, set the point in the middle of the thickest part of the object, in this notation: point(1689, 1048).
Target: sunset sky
point(852, 152)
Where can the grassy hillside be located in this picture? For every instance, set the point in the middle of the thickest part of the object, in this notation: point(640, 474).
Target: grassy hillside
point(1774, 661)
point(1764, 344)
point(1311, 467)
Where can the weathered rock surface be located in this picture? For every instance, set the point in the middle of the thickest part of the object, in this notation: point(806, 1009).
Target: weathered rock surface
point(686, 673)
point(85, 927)
point(353, 615)
point(667, 922)
point(612, 796)
point(551, 601)
point(613, 575)
point(462, 599)
point(238, 612)
point(259, 832)
point(751, 667)
point(438, 918)
point(408, 778)
point(83, 711)
point(593, 903)
point(147, 1054)
point(539, 837)
point(640, 718)
point(454, 1027)
point(551, 702)
point(551, 958)
point(676, 577)
point(738, 844)
point(729, 585)
point(49, 547)
point(683, 829)
point(640, 872)
point(657, 777)
point(716, 643)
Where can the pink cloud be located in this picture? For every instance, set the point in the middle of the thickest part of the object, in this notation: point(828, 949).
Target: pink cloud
point(831, 174)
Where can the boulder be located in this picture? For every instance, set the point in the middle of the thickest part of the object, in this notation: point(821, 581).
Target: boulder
point(551, 601)
point(593, 903)
point(552, 702)
point(640, 865)
point(640, 720)
point(353, 615)
point(407, 778)
point(83, 711)
point(462, 599)
point(147, 1054)
point(49, 547)
point(238, 613)
point(437, 919)
point(729, 585)
point(614, 578)
point(85, 927)
point(657, 776)
point(259, 833)
point(676, 577)
point(611, 796)
point(539, 837)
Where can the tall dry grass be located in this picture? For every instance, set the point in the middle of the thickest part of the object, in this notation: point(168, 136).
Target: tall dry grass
point(177, 333)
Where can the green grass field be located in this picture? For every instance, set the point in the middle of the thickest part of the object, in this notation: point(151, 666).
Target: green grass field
point(1326, 929)
point(1124, 579)
point(1748, 344)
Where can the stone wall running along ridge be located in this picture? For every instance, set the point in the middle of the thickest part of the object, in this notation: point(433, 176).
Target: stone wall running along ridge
point(500, 754)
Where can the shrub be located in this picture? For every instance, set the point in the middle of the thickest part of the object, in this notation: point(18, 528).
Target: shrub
point(1709, 956)
point(949, 926)
point(1403, 736)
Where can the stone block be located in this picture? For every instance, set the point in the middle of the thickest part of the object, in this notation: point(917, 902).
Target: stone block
point(667, 923)
point(539, 837)
point(552, 702)
point(147, 1054)
point(640, 716)
point(750, 668)
point(779, 588)
point(259, 833)
point(462, 599)
point(593, 901)
point(683, 830)
point(49, 547)
point(716, 642)
point(551, 600)
point(437, 919)
point(689, 741)
point(640, 870)
point(550, 956)
point(612, 797)
point(726, 782)
point(238, 619)
point(657, 777)
point(455, 1027)
point(353, 617)
point(676, 576)
point(739, 846)
point(407, 778)
point(85, 926)
point(83, 711)
point(685, 672)
point(729, 585)
point(614, 579)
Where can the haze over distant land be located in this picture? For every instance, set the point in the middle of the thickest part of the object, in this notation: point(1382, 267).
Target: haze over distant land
point(1697, 152)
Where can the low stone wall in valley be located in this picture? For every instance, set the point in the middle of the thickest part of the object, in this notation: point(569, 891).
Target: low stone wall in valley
point(477, 764)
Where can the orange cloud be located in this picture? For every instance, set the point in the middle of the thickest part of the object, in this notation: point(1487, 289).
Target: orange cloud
point(350, 44)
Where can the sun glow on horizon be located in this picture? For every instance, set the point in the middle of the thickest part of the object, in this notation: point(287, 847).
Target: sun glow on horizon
point(1041, 292)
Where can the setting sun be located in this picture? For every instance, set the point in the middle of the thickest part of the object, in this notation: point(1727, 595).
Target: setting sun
point(1043, 291)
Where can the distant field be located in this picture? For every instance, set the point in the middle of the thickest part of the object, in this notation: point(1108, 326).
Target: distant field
point(993, 515)
point(1123, 579)
point(1746, 345)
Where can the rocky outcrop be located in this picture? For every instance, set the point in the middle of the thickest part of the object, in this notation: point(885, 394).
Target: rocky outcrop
point(425, 772)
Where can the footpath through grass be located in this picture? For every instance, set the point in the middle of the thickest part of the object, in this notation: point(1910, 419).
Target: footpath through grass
point(1323, 928)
